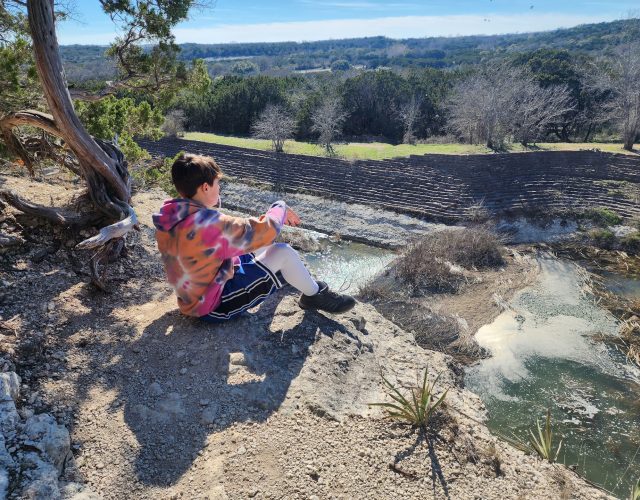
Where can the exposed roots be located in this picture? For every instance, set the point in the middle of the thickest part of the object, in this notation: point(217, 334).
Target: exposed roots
point(52, 215)
point(106, 254)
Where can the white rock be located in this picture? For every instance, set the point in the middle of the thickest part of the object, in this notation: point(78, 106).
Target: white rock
point(9, 386)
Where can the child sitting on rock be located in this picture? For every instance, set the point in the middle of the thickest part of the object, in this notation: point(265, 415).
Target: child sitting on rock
point(220, 266)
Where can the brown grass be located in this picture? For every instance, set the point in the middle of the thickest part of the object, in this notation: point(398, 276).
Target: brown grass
point(424, 266)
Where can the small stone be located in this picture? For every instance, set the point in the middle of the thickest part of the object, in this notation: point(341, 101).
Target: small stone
point(183, 371)
point(237, 358)
point(100, 465)
point(204, 402)
point(155, 389)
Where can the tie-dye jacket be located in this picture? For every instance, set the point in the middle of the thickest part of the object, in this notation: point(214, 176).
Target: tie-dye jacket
point(200, 246)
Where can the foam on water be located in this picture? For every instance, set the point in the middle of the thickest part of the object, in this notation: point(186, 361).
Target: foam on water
point(544, 355)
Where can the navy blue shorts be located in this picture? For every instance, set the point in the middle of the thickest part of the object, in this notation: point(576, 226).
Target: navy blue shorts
point(252, 282)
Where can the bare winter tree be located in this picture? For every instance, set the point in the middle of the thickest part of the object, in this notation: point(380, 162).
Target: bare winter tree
point(276, 124)
point(327, 121)
point(618, 80)
point(536, 109)
point(409, 113)
point(504, 102)
point(480, 107)
point(174, 123)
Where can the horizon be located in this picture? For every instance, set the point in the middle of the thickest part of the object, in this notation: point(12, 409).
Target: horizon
point(249, 21)
point(363, 37)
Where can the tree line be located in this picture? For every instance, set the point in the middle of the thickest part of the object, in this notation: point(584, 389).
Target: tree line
point(544, 95)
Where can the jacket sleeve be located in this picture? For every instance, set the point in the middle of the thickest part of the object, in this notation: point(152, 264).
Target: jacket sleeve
point(246, 235)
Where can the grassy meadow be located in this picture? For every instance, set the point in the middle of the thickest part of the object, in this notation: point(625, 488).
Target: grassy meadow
point(381, 151)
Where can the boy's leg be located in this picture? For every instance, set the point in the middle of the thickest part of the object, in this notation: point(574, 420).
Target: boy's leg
point(315, 295)
point(281, 257)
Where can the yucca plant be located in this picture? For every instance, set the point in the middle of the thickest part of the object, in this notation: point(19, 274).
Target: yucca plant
point(635, 491)
point(419, 408)
point(540, 442)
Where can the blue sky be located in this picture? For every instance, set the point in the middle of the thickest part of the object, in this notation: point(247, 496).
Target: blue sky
point(282, 20)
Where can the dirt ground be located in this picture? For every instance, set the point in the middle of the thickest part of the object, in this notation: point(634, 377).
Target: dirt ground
point(274, 405)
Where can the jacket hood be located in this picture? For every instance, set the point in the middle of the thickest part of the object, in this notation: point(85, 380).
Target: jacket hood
point(173, 212)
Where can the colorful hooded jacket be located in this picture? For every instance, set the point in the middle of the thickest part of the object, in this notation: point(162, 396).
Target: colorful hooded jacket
point(200, 246)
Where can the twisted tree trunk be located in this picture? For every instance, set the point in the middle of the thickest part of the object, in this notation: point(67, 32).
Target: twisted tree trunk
point(100, 163)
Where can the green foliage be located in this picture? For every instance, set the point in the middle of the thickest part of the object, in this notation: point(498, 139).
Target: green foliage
point(540, 441)
point(603, 216)
point(198, 78)
point(156, 174)
point(340, 65)
point(111, 118)
point(18, 79)
point(244, 68)
point(602, 237)
point(417, 410)
point(233, 103)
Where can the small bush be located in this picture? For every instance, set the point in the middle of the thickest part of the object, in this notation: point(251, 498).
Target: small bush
point(603, 238)
point(418, 410)
point(603, 216)
point(631, 243)
point(424, 265)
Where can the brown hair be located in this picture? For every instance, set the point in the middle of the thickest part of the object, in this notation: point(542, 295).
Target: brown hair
point(190, 171)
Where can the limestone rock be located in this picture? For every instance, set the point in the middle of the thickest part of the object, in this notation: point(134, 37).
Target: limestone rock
point(9, 386)
point(44, 434)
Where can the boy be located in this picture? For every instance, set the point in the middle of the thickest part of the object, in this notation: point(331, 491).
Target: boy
point(220, 266)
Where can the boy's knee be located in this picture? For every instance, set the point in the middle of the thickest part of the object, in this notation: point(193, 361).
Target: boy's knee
point(284, 249)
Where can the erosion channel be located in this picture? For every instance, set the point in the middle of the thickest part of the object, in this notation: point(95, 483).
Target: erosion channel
point(546, 352)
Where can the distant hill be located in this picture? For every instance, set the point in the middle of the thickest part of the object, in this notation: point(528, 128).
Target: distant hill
point(84, 62)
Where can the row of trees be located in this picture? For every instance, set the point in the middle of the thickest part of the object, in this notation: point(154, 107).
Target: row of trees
point(544, 95)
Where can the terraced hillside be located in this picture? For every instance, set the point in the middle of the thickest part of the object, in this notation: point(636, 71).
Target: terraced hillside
point(440, 187)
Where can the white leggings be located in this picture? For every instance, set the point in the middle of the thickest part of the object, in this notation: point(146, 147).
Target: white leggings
point(281, 257)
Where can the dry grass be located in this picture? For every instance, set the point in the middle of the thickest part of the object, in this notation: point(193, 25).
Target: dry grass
point(425, 266)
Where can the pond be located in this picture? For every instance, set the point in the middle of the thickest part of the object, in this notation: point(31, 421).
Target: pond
point(346, 265)
point(545, 355)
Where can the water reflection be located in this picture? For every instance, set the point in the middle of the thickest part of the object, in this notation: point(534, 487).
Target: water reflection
point(544, 355)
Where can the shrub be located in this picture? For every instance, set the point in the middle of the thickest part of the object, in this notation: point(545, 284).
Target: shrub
point(424, 265)
point(631, 243)
point(603, 216)
point(418, 410)
point(603, 238)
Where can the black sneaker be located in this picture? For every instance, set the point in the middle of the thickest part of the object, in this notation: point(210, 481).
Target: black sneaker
point(326, 300)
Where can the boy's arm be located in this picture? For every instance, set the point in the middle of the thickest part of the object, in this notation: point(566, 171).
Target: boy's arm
point(247, 235)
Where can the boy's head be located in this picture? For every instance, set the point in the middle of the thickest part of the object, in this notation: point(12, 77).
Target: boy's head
point(195, 176)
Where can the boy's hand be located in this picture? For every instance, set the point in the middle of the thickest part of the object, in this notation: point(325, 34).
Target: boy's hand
point(291, 218)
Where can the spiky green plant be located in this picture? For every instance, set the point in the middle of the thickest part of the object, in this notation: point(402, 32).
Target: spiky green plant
point(540, 442)
point(419, 408)
point(635, 491)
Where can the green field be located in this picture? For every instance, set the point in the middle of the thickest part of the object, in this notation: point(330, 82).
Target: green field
point(381, 151)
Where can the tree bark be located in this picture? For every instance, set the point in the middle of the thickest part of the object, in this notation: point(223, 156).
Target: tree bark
point(109, 181)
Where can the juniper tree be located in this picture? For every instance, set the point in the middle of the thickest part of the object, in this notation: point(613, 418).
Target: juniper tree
point(100, 163)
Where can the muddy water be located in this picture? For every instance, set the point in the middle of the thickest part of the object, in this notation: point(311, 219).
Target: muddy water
point(544, 355)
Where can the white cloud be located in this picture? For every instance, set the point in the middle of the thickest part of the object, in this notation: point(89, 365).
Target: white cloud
point(393, 27)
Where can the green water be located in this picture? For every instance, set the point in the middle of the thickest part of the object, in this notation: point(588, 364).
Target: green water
point(544, 356)
point(346, 265)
